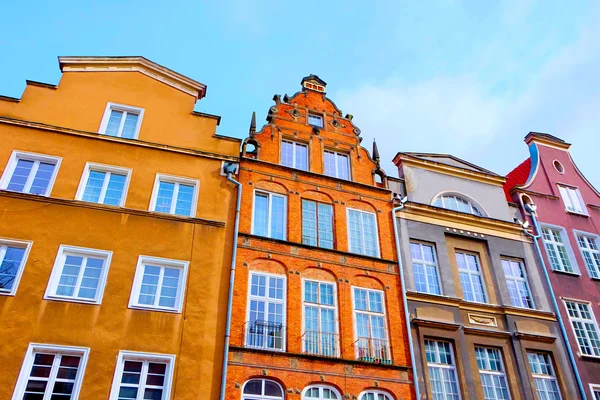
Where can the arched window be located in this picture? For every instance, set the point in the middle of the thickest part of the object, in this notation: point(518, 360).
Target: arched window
point(262, 389)
point(320, 392)
point(457, 203)
point(374, 395)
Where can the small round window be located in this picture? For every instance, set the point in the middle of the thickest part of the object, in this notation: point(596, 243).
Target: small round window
point(558, 166)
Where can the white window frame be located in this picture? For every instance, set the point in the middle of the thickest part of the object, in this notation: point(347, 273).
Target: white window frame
point(35, 157)
point(567, 245)
point(124, 355)
point(34, 348)
point(26, 244)
point(320, 306)
point(383, 312)
point(471, 273)
point(590, 237)
point(452, 366)
point(176, 180)
point(315, 115)
point(427, 264)
point(58, 267)
point(595, 390)
point(571, 197)
point(337, 174)
point(321, 387)
point(296, 144)
point(262, 396)
point(516, 279)
point(378, 245)
point(123, 108)
point(476, 208)
point(535, 376)
point(269, 214)
point(491, 372)
point(385, 395)
point(581, 320)
point(91, 166)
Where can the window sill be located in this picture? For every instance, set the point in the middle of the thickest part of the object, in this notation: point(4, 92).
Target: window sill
point(72, 300)
point(567, 273)
point(165, 310)
point(595, 279)
point(7, 293)
point(577, 213)
point(589, 357)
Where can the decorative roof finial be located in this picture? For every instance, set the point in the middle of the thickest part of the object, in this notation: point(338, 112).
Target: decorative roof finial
point(252, 130)
point(375, 152)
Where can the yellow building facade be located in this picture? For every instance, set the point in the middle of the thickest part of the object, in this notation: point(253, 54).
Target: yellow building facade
point(116, 233)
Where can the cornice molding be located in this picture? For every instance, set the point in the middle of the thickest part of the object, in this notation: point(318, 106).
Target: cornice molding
point(486, 332)
point(537, 138)
point(429, 323)
point(535, 338)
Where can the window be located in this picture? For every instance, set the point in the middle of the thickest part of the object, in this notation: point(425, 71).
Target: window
point(558, 167)
point(103, 184)
point(585, 327)
point(371, 326)
point(79, 275)
point(425, 268)
point(159, 284)
point(30, 173)
point(374, 395)
point(362, 229)
point(337, 165)
point(516, 280)
point(442, 370)
point(317, 224)
point(470, 277)
point(457, 203)
point(269, 215)
point(572, 199)
point(13, 255)
point(174, 195)
point(491, 372)
point(142, 376)
point(589, 249)
point(294, 155)
point(321, 392)
point(315, 120)
point(121, 121)
point(595, 391)
point(557, 252)
point(544, 377)
point(320, 314)
point(266, 312)
point(51, 372)
point(262, 389)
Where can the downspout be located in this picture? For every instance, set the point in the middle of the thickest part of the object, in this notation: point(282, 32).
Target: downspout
point(411, 347)
point(531, 208)
point(229, 168)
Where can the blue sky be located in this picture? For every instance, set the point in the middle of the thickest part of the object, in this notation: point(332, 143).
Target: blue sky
point(470, 78)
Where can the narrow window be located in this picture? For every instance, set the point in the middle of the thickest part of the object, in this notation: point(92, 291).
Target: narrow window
point(589, 249)
point(294, 154)
point(585, 327)
point(491, 372)
point(266, 307)
point(425, 268)
point(142, 376)
point(442, 370)
point(320, 392)
point(557, 252)
point(320, 327)
point(159, 284)
point(371, 327)
point(269, 215)
point(374, 395)
point(262, 389)
point(544, 377)
point(121, 121)
point(572, 199)
point(174, 195)
point(516, 280)
point(103, 184)
point(30, 173)
point(13, 255)
point(315, 120)
point(79, 275)
point(51, 372)
point(337, 165)
point(362, 228)
point(317, 224)
point(470, 277)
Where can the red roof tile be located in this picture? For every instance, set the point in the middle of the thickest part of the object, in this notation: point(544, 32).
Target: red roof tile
point(517, 176)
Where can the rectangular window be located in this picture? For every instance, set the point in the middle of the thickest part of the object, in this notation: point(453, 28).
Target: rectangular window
point(470, 277)
point(557, 251)
point(595, 391)
point(337, 165)
point(103, 184)
point(362, 230)
point(269, 215)
point(516, 280)
point(79, 275)
point(544, 377)
point(320, 327)
point(174, 195)
point(317, 224)
point(371, 326)
point(589, 249)
point(315, 120)
point(294, 154)
point(491, 372)
point(30, 173)
point(442, 370)
point(266, 312)
point(142, 376)
point(572, 199)
point(51, 372)
point(159, 284)
point(13, 255)
point(425, 268)
point(121, 121)
point(585, 327)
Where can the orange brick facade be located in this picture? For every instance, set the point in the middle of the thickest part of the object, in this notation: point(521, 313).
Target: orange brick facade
point(261, 169)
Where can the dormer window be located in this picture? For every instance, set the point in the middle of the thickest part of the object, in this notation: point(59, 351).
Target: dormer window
point(457, 203)
point(121, 121)
point(315, 120)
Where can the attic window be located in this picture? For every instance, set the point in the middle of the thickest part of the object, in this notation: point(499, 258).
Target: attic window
point(558, 167)
point(313, 86)
point(315, 120)
point(457, 203)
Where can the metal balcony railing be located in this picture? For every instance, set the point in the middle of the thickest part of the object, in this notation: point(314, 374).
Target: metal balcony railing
point(320, 343)
point(373, 350)
point(264, 335)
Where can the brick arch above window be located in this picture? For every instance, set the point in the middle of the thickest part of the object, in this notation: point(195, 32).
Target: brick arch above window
point(362, 205)
point(321, 274)
point(317, 196)
point(269, 266)
point(270, 186)
point(367, 282)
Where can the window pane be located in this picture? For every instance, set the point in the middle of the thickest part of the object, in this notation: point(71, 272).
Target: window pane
point(343, 166)
point(20, 175)
point(309, 222)
point(301, 157)
point(93, 187)
point(326, 226)
point(330, 169)
point(261, 209)
point(185, 198)
point(277, 217)
point(164, 197)
point(114, 122)
point(287, 153)
point(129, 126)
point(41, 182)
point(9, 266)
point(316, 120)
point(69, 275)
point(114, 190)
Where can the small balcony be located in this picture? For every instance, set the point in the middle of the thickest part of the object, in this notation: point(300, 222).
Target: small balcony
point(320, 343)
point(265, 335)
point(376, 351)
